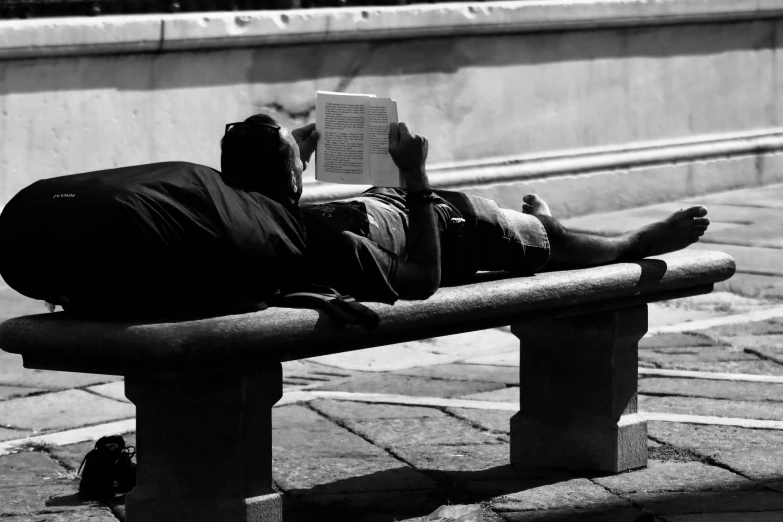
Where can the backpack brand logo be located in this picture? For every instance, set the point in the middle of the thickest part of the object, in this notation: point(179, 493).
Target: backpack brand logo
point(64, 195)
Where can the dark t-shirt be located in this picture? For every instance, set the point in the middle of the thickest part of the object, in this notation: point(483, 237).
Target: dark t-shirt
point(354, 244)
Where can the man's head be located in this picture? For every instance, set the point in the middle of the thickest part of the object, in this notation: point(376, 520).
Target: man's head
point(258, 155)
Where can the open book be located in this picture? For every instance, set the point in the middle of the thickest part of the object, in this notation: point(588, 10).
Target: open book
point(354, 143)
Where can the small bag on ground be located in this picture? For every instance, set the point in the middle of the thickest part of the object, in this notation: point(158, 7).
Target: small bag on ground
point(107, 469)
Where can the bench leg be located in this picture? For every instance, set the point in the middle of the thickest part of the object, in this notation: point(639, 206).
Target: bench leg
point(205, 447)
point(578, 400)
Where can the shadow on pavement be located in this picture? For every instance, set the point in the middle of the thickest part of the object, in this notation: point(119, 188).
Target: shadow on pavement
point(521, 494)
point(68, 501)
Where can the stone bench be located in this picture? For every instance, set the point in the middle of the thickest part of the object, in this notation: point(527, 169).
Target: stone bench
point(204, 389)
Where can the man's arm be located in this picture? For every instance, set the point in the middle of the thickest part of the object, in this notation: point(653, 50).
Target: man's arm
point(306, 139)
point(418, 276)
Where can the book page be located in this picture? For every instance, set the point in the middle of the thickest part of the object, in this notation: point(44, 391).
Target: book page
point(384, 173)
point(342, 152)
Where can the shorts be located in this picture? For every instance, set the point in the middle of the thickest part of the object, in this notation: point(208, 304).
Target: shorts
point(490, 239)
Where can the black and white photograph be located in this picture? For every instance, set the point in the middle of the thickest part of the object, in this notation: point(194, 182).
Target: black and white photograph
point(391, 261)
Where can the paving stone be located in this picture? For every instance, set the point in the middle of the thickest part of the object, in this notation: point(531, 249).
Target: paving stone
point(312, 454)
point(753, 453)
point(305, 373)
point(384, 358)
point(9, 434)
point(495, 421)
point(710, 359)
point(494, 489)
point(500, 359)
point(474, 344)
point(749, 258)
point(414, 386)
point(674, 340)
point(364, 411)
point(769, 516)
point(666, 314)
point(509, 394)
point(667, 453)
point(12, 373)
point(742, 342)
point(735, 390)
point(66, 409)
point(577, 493)
point(443, 430)
point(305, 366)
point(766, 346)
point(676, 476)
point(718, 352)
point(712, 407)
point(297, 429)
point(28, 468)
point(718, 303)
point(461, 462)
point(624, 514)
point(57, 495)
point(466, 372)
point(328, 475)
point(753, 285)
point(708, 502)
point(11, 392)
point(766, 327)
point(86, 513)
point(112, 390)
point(767, 235)
point(71, 456)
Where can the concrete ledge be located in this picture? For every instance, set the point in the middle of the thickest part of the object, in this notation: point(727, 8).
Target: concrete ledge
point(55, 341)
point(633, 169)
point(79, 36)
point(148, 33)
point(523, 168)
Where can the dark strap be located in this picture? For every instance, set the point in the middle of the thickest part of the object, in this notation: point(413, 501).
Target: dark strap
point(341, 308)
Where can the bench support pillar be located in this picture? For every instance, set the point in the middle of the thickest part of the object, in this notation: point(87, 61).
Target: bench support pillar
point(205, 447)
point(578, 402)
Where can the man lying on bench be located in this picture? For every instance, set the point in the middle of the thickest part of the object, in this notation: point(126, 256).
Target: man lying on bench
point(391, 243)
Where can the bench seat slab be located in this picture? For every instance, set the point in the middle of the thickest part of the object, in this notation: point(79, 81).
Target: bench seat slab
point(204, 445)
point(578, 403)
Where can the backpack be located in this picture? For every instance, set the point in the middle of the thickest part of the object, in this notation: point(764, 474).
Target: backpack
point(108, 469)
point(150, 239)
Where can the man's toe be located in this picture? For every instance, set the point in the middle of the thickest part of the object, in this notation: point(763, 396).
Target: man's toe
point(696, 212)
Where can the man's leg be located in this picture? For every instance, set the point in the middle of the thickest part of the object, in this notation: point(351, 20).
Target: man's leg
point(571, 248)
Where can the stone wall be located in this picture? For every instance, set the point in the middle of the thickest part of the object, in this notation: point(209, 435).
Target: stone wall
point(595, 105)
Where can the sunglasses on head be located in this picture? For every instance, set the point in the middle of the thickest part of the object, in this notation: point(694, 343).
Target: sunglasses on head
point(255, 124)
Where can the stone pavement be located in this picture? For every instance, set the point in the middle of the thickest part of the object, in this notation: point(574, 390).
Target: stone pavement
point(441, 434)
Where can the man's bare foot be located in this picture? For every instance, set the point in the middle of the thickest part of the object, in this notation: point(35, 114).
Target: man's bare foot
point(532, 204)
point(676, 232)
